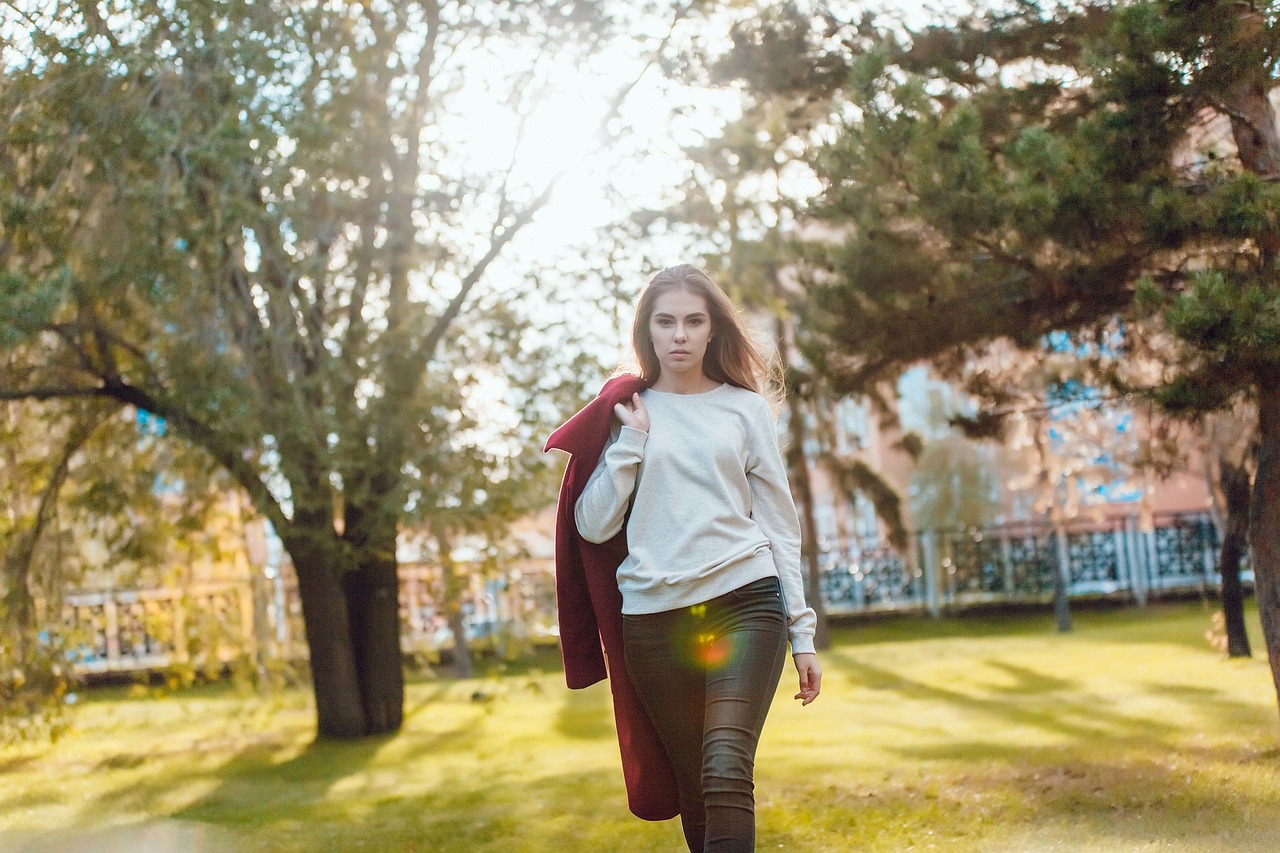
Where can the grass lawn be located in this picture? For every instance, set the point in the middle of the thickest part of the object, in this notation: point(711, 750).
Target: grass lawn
point(991, 734)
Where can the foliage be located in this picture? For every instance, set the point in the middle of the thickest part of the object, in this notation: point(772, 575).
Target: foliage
point(954, 486)
point(34, 694)
point(1023, 172)
point(94, 500)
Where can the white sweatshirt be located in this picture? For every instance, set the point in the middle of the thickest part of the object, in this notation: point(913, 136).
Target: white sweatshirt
point(711, 510)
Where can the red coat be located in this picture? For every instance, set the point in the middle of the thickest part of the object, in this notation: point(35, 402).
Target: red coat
point(590, 607)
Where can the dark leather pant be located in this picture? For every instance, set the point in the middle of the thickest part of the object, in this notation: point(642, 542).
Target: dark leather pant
point(706, 675)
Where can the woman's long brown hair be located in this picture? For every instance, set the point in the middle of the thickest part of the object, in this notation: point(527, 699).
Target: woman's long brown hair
point(732, 356)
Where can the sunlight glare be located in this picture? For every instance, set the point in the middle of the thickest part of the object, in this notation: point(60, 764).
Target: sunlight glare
point(562, 132)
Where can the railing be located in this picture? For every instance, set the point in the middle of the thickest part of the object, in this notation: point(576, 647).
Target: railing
point(136, 630)
point(1018, 563)
point(209, 624)
point(123, 630)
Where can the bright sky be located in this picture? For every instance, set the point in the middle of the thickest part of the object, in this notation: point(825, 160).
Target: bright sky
point(645, 166)
point(642, 164)
point(661, 115)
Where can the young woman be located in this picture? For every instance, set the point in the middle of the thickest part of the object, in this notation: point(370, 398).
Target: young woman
point(711, 584)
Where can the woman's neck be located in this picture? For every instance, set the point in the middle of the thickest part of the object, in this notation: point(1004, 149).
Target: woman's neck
point(685, 383)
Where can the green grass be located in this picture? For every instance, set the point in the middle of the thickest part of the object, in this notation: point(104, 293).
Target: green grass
point(982, 734)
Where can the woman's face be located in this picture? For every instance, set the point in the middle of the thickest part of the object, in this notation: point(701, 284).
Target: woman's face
point(680, 328)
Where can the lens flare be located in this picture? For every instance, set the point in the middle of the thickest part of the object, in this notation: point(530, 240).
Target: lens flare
point(714, 652)
point(702, 647)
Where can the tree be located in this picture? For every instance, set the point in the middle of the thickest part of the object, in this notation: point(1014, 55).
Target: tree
point(1034, 170)
point(249, 219)
point(477, 493)
point(1232, 442)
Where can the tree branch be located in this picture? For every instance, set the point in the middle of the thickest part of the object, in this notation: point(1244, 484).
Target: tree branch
point(501, 235)
point(226, 453)
point(17, 562)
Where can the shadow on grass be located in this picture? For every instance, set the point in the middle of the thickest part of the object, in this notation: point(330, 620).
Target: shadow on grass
point(254, 778)
point(438, 691)
point(1027, 682)
point(260, 781)
point(1049, 703)
point(306, 777)
point(528, 813)
point(569, 811)
point(1046, 795)
point(121, 761)
point(586, 714)
point(1043, 798)
point(15, 763)
point(302, 784)
point(286, 809)
point(30, 800)
point(1181, 623)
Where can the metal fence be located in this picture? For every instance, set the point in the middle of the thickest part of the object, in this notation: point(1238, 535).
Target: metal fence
point(1017, 564)
point(137, 630)
point(127, 630)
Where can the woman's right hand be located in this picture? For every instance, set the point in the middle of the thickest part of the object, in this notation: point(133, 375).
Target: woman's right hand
point(633, 414)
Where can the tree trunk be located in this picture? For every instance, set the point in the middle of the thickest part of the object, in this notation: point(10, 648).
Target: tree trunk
point(1253, 120)
point(1264, 520)
point(1253, 126)
point(17, 562)
point(463, 665)
point(373, 603)
point(339, 710)
point(1061, 596)
point(804, 493)
point(1235, 532)
point(1061, 599)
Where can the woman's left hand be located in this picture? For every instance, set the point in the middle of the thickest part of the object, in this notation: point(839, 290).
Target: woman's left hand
point(810, 677)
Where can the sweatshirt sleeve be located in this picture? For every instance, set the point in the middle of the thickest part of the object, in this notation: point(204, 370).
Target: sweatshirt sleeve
point(774, 511)
point(602, 507)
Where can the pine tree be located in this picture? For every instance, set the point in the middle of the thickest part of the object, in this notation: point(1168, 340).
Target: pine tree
point(1053, 168)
